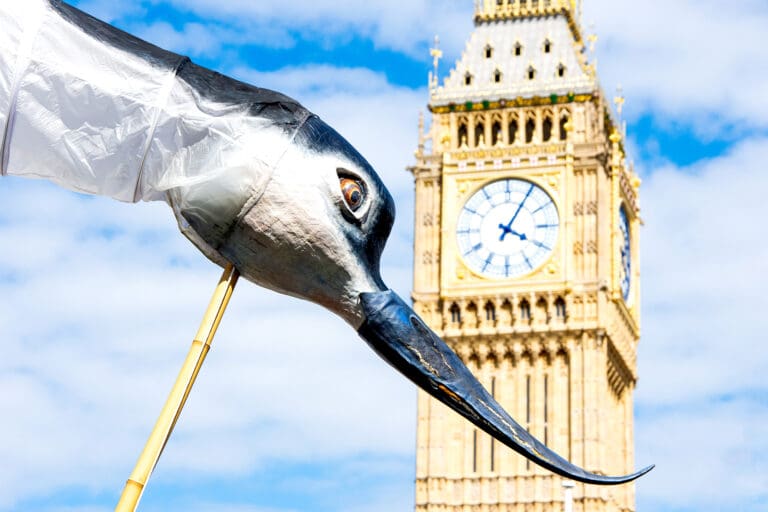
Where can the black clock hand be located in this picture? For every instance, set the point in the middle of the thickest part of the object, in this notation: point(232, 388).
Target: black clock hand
point(508, 228)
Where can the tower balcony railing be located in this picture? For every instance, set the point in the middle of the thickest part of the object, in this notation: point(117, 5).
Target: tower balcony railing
point(489, 9)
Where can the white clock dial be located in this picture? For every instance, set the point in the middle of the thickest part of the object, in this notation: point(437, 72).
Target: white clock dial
point(625, 271)
point(507, 229)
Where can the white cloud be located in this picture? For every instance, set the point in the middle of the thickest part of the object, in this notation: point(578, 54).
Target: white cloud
point(317, 81)
point(702, 393)
point(110, 10)
point(696, 62)
point(401, 26)
point(95, 333)
point(193, 39)
point(709, 458)
point(705, 272)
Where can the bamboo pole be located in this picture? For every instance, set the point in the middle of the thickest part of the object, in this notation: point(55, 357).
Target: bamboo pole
point(135, 485)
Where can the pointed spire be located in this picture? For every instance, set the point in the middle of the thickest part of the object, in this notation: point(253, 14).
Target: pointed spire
point(437, 54)
point(422, 135)
point(592, 38)
point(619, 101)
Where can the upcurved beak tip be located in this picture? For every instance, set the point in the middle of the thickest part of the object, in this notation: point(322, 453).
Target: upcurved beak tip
point(402, 339)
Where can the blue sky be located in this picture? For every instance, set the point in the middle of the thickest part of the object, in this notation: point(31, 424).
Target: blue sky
point(102, 298)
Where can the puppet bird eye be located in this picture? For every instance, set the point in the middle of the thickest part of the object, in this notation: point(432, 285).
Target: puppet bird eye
point(353, 193)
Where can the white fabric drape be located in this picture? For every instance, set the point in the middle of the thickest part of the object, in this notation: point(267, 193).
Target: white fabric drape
point(100, 119)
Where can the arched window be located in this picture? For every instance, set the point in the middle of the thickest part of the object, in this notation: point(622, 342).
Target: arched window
point(518, 51)
point(561, 70)
point(462, 134)
point(455, 313)
point(488, 51)
point(560, 308)
point(472, 319)
point(497, 76)
point(547, 129)
point(468, 78)
point(496, 132)
point(513, 129)
point(490, 312)
point(547, 46)
point(530, 129)
point(563, 131)
point(531, 73)
point(479, 134)
point(542, 313)
point(525, 310)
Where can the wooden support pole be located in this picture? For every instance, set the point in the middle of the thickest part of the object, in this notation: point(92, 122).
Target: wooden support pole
point(137, 482)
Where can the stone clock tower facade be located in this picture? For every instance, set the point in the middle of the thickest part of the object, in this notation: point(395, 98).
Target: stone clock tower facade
point(526, 263)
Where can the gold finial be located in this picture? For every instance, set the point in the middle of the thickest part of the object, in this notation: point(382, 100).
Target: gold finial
point(436, 54)
point(619, 100)
point(592, 38)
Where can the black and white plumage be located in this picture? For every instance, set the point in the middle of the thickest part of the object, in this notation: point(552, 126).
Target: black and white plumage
point(253, 178)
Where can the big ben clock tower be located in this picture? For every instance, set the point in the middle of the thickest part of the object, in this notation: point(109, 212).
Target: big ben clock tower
point(526, 250)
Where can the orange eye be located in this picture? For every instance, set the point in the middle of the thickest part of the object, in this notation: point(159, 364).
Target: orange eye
point(353, 193)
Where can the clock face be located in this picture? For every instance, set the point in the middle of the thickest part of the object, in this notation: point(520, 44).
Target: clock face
point(507, 229)
point(625, 272)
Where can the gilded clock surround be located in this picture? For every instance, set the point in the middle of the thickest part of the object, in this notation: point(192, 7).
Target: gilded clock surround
point(547, 264)
point(557, 346)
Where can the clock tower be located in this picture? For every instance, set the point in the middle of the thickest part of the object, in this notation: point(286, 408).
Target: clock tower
point(526, 263)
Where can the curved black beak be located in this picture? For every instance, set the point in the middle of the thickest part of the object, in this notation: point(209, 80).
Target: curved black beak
point(398, 335)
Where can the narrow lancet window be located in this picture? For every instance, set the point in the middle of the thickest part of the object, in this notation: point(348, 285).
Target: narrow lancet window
point(490, 312)
point(479, 135)
point(530, 130)
point(496, 135)
point(462, 134)
point(547, 129)
point(513, 128)
point(560, 308)
point(455, 314)
point(525, 310)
